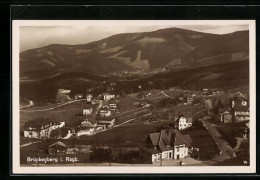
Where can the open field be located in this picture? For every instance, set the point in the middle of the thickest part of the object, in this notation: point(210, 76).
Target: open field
point(138, 113)
point(66, 113)
point(189, 110)
point(135, 134)
point(126, 104)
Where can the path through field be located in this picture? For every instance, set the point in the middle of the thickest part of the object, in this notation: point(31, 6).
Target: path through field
point(30, 143)
point(47, 109)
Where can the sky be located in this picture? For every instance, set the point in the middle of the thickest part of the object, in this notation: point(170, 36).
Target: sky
point(38, 36)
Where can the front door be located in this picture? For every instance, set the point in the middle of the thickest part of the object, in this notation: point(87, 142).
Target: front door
point(178, 156)
point(159, 157)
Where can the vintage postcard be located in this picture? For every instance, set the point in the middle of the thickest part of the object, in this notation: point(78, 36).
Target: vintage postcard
point(112, 96)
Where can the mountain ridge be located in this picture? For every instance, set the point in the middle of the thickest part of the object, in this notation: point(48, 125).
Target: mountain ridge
point(170, 48)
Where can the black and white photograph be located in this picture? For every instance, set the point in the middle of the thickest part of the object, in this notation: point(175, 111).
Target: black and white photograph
point(133, 96)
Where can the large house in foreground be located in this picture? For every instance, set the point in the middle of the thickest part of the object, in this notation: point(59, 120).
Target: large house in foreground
point(167, 144)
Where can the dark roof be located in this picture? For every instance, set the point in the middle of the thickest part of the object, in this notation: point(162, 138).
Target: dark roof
point(182, 139)
point(239, 95)
point(150, 150)
point(111, 101)
point(90, 119)
point(239, 107)
point(106, 108)
point(222, 110)
point(82, 128)
point(166, 139)
point(187, 138)
point(58, 143)
point(154, 138)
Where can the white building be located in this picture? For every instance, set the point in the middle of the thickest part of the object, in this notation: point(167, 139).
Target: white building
point(183, 123)
point(87, 111)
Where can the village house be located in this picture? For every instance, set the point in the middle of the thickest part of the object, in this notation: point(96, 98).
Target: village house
point(83, 148)
point(78, 96)
point(61, 148)
point(182, 123)
point(63, 95)
point(213, 106)
point(89, 122)
point(189, 99)
point(108, 96)
point(87, 110)
point(105, 121)
point(112, 105)
point(104, 111)
point(225, 115)
point(240, 108)
point(144, 103)
point(205, 91)
point(167, 144)
point(41, 129)
point(95, 101)
point(89, 98)
point(57, 148)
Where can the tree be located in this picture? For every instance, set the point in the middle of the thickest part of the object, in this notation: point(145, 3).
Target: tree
point(197, 101)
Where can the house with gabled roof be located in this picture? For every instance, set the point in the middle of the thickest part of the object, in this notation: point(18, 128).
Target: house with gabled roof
point(78, 96)
point(167, 144)
point(182, 123)
point(104, 111)
point(89, 121)
point(240, 107)
point(63, 148)
point(57, 148)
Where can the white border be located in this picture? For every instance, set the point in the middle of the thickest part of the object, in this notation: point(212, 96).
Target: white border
point(17, 169)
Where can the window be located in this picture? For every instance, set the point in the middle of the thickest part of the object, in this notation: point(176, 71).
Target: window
point(244, 103)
